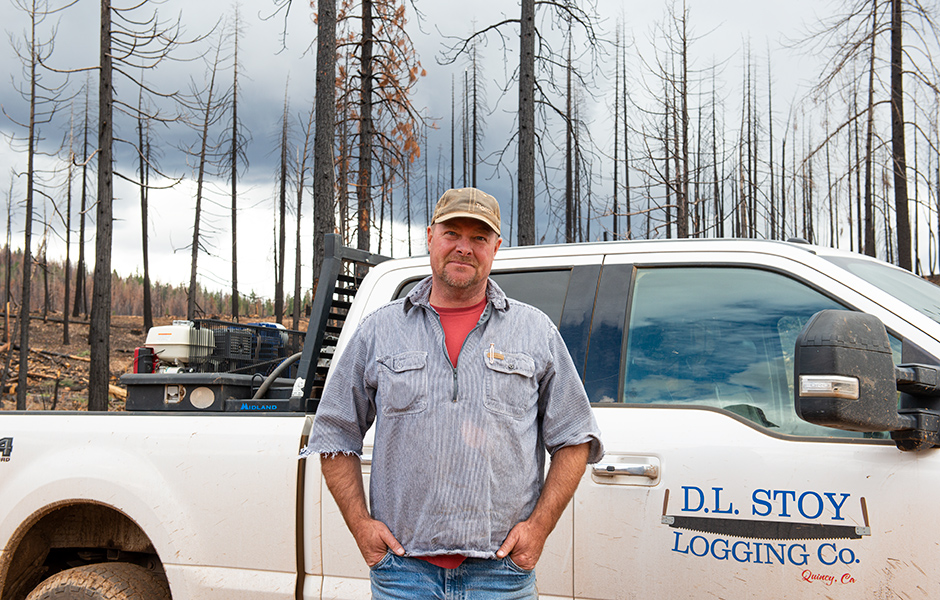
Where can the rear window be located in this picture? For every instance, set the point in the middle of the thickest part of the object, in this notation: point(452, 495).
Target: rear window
point(544, 290)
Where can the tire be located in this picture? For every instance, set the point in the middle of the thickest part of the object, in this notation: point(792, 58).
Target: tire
point(103, 581)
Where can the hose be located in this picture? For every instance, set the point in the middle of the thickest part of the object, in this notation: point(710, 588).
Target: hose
point(269, 380)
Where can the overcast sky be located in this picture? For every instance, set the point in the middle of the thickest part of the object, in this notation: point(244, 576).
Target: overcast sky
point(722, 26)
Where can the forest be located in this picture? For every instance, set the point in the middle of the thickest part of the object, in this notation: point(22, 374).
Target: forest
point(587, 125)
point(47, 293)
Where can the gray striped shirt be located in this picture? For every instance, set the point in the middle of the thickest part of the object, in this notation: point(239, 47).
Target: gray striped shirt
point(459, 454)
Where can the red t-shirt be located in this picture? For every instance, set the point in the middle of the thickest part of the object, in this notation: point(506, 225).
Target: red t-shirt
point(457, 324)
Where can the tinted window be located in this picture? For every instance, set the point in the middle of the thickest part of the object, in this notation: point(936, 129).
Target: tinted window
point(544, 290)
point(602, 372)
point(903, 285)
point(720, 337)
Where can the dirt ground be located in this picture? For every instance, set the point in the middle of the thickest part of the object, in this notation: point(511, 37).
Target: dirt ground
point(59, 372)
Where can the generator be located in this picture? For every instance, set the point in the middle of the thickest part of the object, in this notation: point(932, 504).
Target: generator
point(209, 365)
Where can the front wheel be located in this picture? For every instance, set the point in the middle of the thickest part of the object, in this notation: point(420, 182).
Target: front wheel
point(103, 581)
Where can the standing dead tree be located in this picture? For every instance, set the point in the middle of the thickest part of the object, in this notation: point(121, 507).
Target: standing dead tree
point(69, 181)
point(130, 41)
point(898, 141)
point(375, 100)
point(8, 265)
point(146, 164)
point(43, 100)
point(538, 85)
point(209, 108)
point(143, 170)
point(475, 102)
point(238, 142)
point(324, 184)
point(868, 35)
point(579, 149)
point(666, 132)
point(326, 127)
point(81, 293)
point(280, 239)
point(303, 164)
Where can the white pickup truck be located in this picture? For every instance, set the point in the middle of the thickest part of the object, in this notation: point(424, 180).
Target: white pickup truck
point(720, 480)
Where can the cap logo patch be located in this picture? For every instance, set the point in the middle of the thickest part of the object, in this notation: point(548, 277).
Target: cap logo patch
point(482, 208)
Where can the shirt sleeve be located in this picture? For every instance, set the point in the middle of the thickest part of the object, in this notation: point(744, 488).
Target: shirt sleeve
point(566, 415)
point(347, 408)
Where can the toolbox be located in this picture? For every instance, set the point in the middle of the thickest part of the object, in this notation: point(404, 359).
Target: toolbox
point(204, 392)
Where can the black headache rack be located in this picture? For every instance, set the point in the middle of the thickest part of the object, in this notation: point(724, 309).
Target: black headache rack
point(340, 276)
point(254, 368)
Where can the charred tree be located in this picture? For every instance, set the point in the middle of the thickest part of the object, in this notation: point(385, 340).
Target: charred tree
point(43, 100)
point(236, 155)
point(898, 146)
point(129, 42)
point(323, 182)
point(303, 161)
point(280, 251)
point(207, 156)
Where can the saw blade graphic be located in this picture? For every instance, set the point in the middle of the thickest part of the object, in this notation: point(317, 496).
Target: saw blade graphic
point(766, 530)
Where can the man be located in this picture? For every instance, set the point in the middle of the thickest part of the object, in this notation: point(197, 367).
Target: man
point(467, 389)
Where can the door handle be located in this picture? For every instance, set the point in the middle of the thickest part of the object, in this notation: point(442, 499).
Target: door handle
point(627, 469)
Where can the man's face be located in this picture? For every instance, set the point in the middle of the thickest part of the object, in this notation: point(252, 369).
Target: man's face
point(462, 252)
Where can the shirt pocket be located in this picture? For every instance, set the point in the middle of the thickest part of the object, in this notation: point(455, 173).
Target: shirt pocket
point(403, 383)
point(510, 383)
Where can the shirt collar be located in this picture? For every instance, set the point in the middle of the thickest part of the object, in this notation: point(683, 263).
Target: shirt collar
point(421, 295)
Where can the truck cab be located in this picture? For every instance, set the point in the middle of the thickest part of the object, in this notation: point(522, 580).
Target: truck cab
point(712, 483)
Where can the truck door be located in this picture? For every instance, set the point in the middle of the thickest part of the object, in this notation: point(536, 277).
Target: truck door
point(711, 485)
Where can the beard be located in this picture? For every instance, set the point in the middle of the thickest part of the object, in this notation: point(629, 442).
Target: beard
point(461, 283)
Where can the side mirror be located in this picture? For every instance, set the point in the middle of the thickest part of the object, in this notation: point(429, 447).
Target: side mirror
point(845, 377)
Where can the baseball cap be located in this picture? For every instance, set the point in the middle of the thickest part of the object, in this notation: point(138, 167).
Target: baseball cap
point(467, 202)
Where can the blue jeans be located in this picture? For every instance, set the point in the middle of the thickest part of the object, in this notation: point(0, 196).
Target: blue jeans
point(403, 578)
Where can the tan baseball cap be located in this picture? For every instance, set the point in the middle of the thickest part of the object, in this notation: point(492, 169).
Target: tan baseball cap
point(467, 202)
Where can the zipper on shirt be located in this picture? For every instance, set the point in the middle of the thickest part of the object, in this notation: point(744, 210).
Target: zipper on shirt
point(483, 319)
point(444, 350)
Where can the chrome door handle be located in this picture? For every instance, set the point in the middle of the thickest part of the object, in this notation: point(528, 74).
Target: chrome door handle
point(630, 470)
